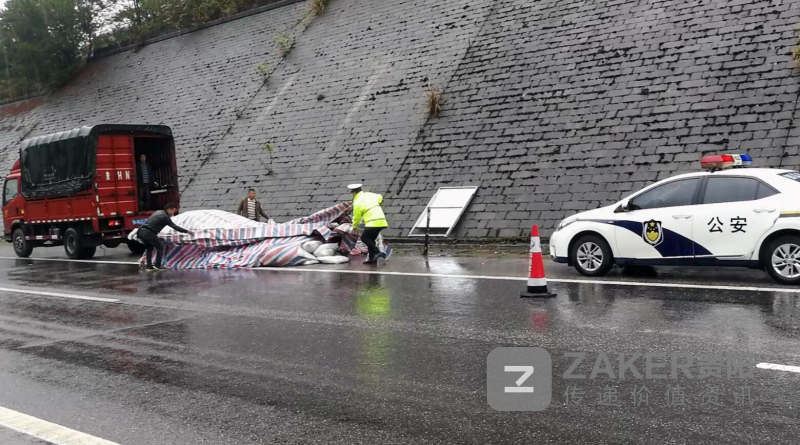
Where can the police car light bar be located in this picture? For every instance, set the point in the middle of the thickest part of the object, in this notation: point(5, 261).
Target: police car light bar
point(725, 161)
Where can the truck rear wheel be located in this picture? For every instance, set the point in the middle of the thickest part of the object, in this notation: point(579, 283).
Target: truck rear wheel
point(72, 244)
point(22, 247)
point(136, 247)
point(87, 253)
point(112, 244)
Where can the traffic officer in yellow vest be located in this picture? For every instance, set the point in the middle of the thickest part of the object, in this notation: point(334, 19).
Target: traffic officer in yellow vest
point(367, 207)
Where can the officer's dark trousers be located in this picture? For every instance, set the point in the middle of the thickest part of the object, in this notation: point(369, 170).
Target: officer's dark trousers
point(369, 236)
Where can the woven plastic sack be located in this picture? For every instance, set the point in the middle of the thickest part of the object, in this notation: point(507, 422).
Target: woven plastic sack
point(328, 249)
point(336, 259)
point(220, 239)
point(311, 246)
point(302, 253)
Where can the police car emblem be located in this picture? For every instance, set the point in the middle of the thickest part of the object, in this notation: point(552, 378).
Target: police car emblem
point(652, 233)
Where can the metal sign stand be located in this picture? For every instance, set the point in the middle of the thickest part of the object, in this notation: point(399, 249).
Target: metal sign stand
point(452, 201)
point(427, 230)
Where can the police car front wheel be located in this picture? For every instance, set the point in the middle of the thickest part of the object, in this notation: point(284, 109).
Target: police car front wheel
point(591, 256)
point(783, 260)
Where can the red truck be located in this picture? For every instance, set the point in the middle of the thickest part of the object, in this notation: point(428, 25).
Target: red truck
point(79, 188)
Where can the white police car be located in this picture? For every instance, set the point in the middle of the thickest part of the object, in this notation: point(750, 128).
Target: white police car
point(726, 216)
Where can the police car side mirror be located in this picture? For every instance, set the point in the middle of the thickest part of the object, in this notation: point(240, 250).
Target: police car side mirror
point(625, 206)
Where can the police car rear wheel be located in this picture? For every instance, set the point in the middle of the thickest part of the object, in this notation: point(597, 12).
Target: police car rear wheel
point(783, 260)
point(591, 256)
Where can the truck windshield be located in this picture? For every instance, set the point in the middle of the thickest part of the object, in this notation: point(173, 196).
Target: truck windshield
point(10, 190)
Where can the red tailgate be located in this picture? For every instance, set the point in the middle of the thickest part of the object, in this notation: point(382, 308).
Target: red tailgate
point(116, 176)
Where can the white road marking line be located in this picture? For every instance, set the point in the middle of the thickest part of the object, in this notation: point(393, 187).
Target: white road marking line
point(680, 285)
point(47, 431)
point(787, 290)
point(58, 295)
point(553, 280)
point(777, 367)
point(388, 272)
point(67, 260)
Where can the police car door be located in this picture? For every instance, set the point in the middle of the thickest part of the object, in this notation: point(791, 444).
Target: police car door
point(658, 222)
point(733, 214)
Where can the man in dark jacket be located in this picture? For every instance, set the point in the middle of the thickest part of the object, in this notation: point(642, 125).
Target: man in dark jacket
point(145, 177)
point(149, 231)
point(251, 208)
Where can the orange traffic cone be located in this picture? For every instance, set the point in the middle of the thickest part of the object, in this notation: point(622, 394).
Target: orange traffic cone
point(537, 283)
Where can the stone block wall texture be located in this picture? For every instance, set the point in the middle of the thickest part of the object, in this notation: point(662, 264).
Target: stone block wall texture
point(550, 107)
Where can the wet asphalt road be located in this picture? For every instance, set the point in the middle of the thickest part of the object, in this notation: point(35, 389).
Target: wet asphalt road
point(268, 356)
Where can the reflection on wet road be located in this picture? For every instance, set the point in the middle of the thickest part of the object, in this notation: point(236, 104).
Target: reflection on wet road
point(233, 357)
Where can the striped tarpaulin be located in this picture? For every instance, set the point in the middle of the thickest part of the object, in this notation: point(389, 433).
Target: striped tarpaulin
point(220, 239)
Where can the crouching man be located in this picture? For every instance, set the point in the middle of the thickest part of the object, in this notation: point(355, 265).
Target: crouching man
point(149, 231)
point(367, 206)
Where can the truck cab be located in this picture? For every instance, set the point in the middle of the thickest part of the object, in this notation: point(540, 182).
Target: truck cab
point(88, 187)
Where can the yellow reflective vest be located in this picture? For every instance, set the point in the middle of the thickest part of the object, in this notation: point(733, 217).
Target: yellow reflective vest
point(367, 206)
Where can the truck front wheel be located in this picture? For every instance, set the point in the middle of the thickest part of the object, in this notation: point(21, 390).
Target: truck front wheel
point(22, 247)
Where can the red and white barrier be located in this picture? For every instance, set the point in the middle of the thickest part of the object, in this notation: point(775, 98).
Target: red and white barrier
point(537, 283)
